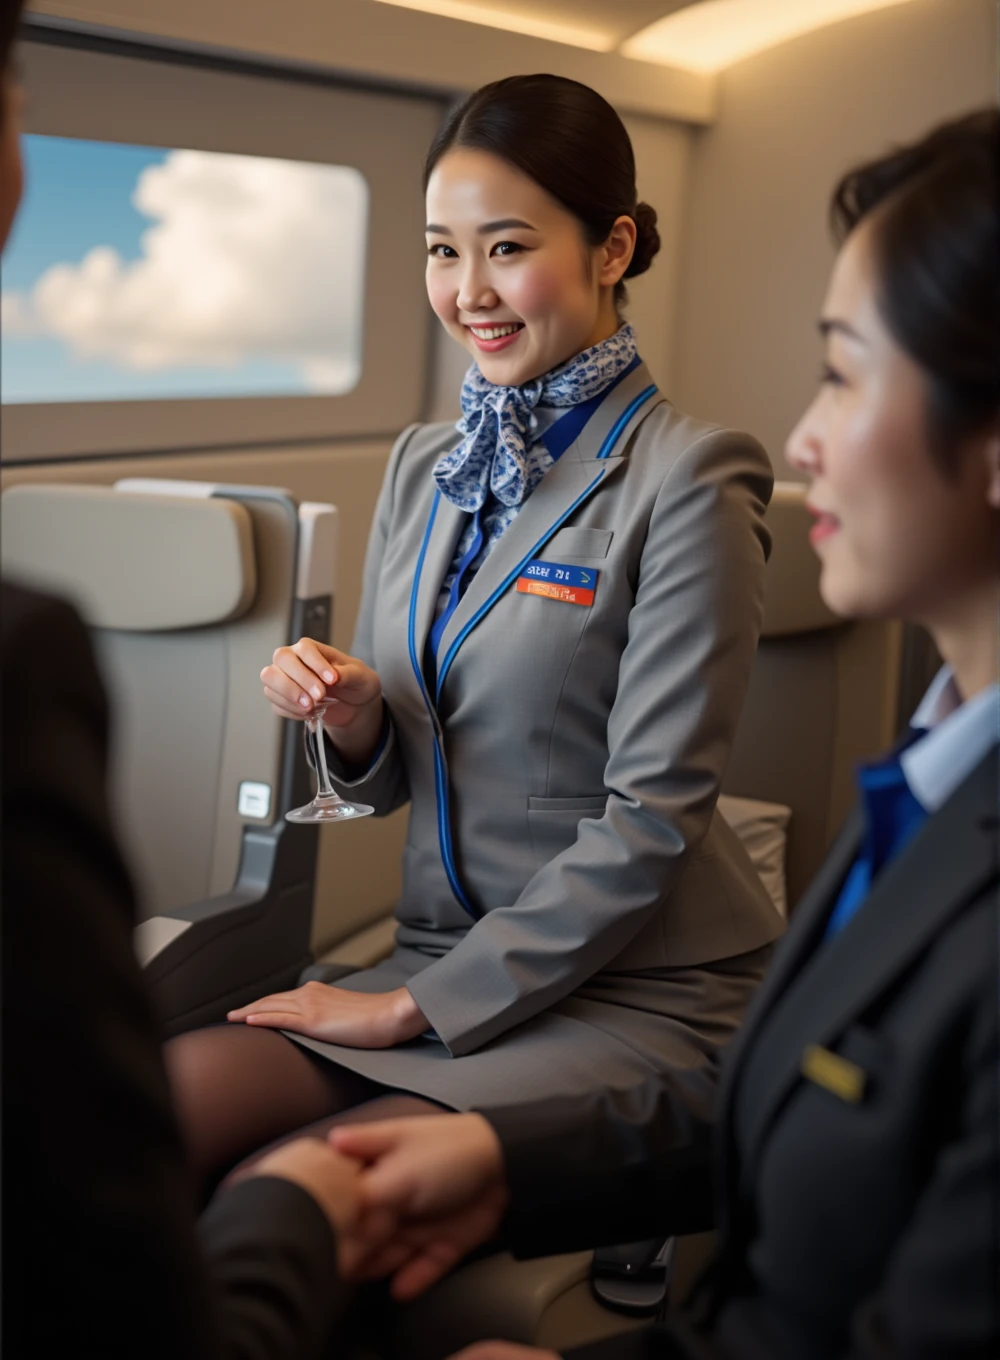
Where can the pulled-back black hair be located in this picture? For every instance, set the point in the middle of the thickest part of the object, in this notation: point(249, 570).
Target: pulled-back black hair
point(570, 141)
point(937, 244)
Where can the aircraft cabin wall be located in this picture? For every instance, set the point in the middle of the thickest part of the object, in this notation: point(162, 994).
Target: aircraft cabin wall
point(790, 121)
point(724, 318)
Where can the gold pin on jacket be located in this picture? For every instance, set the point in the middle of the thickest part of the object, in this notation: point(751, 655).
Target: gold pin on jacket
point(841, 1078)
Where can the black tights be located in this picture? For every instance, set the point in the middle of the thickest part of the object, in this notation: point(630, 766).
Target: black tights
point(240, 1091)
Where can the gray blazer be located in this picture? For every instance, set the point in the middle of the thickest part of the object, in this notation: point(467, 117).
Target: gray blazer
point(563, 769)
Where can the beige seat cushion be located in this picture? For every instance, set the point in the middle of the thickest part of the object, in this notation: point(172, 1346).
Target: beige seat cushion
point(546, 1302)
point(763, 829)
point(365, 948)
point(132, 563)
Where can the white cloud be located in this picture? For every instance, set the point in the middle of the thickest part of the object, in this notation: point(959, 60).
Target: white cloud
point(247, 258)
point(16, 317)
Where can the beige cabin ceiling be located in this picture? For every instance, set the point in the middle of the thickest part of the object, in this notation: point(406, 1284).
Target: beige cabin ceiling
point(653, 57)
point(360, 37)
point(618, 19)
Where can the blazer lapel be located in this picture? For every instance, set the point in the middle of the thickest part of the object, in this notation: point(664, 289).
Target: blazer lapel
point(608, 431)
point(951, 858)
point(587, 464)
point(807, 924)
point(445, 523)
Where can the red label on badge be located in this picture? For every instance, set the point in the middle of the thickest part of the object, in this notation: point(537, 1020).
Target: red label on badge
point(551, 591)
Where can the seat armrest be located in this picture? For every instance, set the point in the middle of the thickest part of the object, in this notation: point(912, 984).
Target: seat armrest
point(206, 958)
point(152, 937)
point(164, 942)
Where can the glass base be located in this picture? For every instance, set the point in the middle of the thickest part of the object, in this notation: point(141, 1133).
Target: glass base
point(328, 810)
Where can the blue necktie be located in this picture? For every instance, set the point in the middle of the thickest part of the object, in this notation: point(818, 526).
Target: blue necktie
point(892, 818)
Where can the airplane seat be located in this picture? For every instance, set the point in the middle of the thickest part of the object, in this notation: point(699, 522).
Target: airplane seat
point(822, 697)
point(186, 586)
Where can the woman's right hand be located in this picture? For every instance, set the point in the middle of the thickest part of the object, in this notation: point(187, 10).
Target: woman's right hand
point(300, 675)
point(440, 1179)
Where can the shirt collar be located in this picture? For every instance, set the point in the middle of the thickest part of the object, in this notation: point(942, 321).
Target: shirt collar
point(958, 736)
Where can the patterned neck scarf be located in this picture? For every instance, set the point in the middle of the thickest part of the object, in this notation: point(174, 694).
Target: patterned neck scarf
point(498, 424)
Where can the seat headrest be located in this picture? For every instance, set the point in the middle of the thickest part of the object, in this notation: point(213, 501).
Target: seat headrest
point(792, 602)
point(133, 562)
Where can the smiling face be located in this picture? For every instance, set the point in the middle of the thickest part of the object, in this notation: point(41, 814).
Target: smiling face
point(897, 536)
point(509, 273)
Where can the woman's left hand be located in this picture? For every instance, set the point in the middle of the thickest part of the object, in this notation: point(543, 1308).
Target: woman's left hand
point(355, 1019)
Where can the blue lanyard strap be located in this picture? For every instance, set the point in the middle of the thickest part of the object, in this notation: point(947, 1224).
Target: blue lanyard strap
point(558, 437)
point(440, 768)
point(455, 593)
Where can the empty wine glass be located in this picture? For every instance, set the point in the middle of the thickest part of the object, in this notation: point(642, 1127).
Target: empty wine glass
point(327, 806)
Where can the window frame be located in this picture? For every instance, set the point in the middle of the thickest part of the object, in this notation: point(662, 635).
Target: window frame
point(127, 93)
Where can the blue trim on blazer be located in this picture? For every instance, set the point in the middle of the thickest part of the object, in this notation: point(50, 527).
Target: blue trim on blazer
point(624, 419)
point(440, 769)
point(440, 766)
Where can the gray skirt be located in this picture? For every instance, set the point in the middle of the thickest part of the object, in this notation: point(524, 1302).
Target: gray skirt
point(616, 1031)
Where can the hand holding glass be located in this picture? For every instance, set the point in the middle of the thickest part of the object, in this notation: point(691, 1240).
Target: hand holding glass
point(327, 806)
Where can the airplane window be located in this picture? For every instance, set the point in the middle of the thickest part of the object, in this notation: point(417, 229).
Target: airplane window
point(139, 272)
point(210, 254)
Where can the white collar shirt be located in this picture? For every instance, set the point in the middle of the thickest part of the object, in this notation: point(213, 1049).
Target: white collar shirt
point(958, 736)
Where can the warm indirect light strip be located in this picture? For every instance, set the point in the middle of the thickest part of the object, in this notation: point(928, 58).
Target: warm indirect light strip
point(511, 22)
point(717, 33)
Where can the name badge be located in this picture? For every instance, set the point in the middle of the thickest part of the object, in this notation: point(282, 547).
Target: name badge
point(557, 581)
point(835, 1074)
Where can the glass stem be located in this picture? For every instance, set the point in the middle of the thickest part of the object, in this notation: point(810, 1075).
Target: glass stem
point(326, 789)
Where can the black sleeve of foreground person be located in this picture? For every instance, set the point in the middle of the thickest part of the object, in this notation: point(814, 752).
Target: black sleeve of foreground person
point(101, 1253)
point(273, 1271)
point(608, 1167)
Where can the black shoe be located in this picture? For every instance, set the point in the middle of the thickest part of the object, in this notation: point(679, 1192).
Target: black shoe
point(633, 1278)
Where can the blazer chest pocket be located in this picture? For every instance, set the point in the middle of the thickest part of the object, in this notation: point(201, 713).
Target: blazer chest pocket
point(553, 822)
point(592, 544)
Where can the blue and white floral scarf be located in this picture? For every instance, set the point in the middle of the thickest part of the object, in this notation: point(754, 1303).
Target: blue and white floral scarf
point(501, 451)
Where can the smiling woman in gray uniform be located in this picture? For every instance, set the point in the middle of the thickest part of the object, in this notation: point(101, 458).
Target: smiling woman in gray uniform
point(561, 604)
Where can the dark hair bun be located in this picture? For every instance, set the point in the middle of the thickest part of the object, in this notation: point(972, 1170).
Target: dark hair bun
point(647, 240)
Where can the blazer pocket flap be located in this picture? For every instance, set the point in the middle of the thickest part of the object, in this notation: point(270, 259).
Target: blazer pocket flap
point(581, 805)
point(590, 543)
